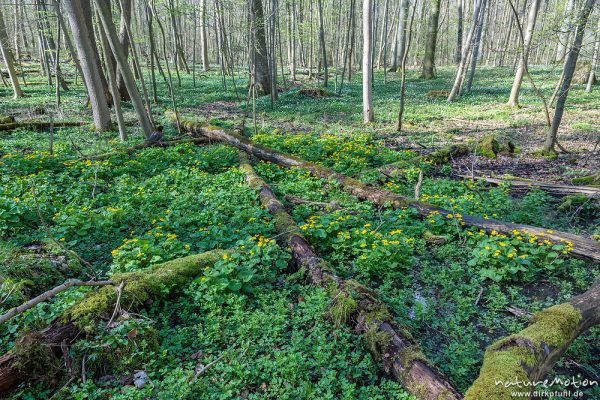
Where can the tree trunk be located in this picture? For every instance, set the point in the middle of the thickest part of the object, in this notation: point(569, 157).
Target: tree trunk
point(89, 63)
point(565, 32)
point(568, 69)
point(9, 59)
point(262, 76)
point(582, 247)
point(592, 77)
point(124, 40)
point(123, 66)
point(367, 64)
point(357, 306)
point(476, 47)
point(431, 43)
point(466, 52)
point(513, 101)
point(203, 36)
point(459, 31)
point(322, 43)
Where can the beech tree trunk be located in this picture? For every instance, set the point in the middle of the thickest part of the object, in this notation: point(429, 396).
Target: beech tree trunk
point(592, 77)
point(9, 59)
point(431, 43)
point(124, 40)
point(89, 62)
point(568, 70)
point(531, 20)
point(123, 66)
point(367, 65)
point(260, 61)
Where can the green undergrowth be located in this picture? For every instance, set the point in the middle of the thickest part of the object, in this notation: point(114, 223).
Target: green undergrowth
point(274, 336)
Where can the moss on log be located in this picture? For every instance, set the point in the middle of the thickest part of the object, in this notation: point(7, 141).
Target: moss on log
point(530, 354)
point(38, 125)
point(582, 247)
point(352, 303)
point(35, 353)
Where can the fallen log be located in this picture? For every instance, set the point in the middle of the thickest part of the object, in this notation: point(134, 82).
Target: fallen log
point(35, 354)
point(354, 304)
point(527, 356)
point(552, 188)
point(581, 247)
point(39, 125)
point(47, 295)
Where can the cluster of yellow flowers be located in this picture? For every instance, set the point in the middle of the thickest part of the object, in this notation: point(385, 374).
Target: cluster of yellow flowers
point(261, 240)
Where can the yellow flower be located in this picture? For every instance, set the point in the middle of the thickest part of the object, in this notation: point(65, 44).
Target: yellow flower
point(510, 255)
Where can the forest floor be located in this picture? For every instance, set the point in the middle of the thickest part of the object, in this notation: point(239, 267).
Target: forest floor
point(273, 334)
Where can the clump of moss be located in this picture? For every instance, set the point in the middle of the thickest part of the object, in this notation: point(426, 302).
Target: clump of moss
point(548, 155)
point(438, 94)
point(553, 326)
point(376, 340)
point(589, 180)
point(433, 239)
point(446, 154)
point(7, 119)
point(488, 147)
point(34, 358)
point(343, 307)
point(572, 200)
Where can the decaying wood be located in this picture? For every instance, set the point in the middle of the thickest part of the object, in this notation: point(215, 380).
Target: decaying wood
point(528, 355)
point(582, 247)
point(392, 346)
point(19, 364)
point(552, 188)
point(47, 295)
point(39, 125)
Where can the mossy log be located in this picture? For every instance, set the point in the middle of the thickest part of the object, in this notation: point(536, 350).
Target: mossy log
point(34, 354)
point(582, 247)
point(552, 188)
point(355, 305)
point(38, 125)
point(530, 354)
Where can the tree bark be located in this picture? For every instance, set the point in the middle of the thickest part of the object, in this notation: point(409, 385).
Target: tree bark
point(582, 247)
point(353, 304)
point(9, 60)
point(124, 40)
point(431, 43)
point(513, 101)
point(262, 76)
point(367, 86)
point(121, 59)
point(592, 76)
point(568, 70)
point(89, 63)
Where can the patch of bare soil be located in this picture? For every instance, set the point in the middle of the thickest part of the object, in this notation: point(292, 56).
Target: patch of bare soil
point(217, 110)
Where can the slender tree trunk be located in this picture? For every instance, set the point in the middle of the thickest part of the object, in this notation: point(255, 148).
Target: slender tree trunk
point(121, 59)
point(565, 32)
point(367, 65)
point(430, 46)
point(476, 47)
point(322, 43)
point(9, 59)
point(464, 59)
point(592, 76)
point(459, 31)
point(124, 40)
point(203, 36)
point(568, 70)
point(531, 20)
